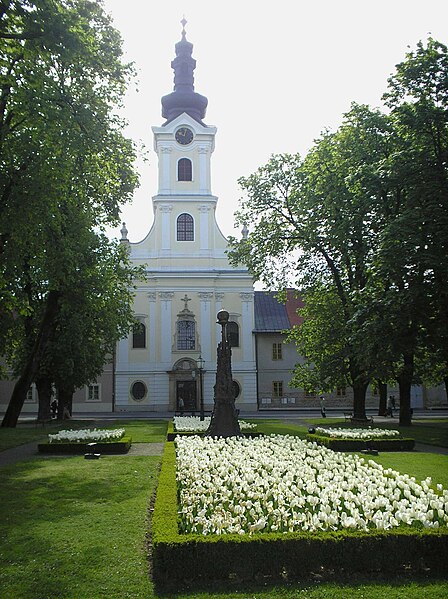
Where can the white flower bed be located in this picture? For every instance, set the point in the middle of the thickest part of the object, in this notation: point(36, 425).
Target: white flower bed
point(284, 484)
point(357, 433)
point(86, 436)
point(194, 424)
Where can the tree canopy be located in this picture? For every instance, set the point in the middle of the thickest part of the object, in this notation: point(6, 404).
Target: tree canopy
point(65, 165)
point(359, 226)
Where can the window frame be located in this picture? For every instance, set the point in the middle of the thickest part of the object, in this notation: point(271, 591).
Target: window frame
point(139, 335)
point(93, 386)
point(235, 334)
point(277, 389)
point(277, 351)
point(184, 227)
point(181, 336)
point(145, 387)
point(184, 168)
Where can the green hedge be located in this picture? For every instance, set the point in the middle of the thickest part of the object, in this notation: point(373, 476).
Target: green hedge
point(178, 558)
point(121, 446)
point(341, 444)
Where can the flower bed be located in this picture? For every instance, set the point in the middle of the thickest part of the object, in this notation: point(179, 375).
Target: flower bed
point(357, 433)
point(193, 556)
point(77, 441)
point(285, 484)
point(358, 439)
point(193, 424)
point(87, 436)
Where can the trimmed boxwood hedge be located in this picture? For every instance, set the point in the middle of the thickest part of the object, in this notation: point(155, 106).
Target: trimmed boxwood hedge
point(189, 557)
point(123, 445)
point(341, 444)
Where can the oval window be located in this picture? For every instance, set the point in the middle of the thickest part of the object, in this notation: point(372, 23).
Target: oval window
point(138, 391)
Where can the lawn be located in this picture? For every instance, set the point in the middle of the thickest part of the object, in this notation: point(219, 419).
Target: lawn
point(76, 528)
point(141, 431)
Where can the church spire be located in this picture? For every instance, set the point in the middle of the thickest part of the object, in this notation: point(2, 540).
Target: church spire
point(184, 98)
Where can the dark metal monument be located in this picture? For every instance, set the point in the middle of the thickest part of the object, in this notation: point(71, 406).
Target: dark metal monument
point(224, 421)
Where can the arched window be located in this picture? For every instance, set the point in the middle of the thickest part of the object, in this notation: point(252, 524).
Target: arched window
point(233, 334)
point(185, 227)
point(139, 336)
point(186, 334)
point(184, 170)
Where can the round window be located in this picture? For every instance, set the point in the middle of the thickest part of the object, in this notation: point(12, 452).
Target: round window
point(236, 389)
point(138, 391)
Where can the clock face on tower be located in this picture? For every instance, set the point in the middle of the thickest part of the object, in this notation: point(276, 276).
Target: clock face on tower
point(184, 136)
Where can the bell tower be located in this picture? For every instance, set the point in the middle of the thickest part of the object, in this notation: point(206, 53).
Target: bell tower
point(184, 143)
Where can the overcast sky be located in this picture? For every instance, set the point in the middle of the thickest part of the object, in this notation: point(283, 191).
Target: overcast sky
point(275, 73)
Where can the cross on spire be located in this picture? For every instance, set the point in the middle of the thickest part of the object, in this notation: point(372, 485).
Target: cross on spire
point(183, 23)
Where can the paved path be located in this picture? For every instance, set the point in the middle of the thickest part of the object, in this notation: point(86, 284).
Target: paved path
point(29, 451)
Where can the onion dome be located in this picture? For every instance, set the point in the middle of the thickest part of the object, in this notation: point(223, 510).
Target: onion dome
point(184, 98)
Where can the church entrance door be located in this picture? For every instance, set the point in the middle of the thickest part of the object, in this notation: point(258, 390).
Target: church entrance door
point(186, 390)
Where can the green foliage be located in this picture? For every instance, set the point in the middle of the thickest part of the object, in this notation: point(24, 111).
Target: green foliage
point(65, 170)
point(360, 227)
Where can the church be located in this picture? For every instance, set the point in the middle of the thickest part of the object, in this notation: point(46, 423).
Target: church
point(189, 278)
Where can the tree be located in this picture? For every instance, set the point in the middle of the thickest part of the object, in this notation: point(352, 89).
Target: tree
point(363, 220)
point(418, 98)
point(61, 150)
point(408, 307)
point(313, 220)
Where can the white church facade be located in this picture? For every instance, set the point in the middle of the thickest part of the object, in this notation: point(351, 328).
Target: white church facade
point(189, 278)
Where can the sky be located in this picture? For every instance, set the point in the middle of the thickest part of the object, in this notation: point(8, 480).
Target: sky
point(276, 74)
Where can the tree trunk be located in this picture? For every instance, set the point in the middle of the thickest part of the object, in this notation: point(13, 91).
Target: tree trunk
point(404, 384)
point(445, 380)
point(359, 386)
point(382, 406)
point(359, 401)
point(43, 385)
point(65, 402)
point(32, 364)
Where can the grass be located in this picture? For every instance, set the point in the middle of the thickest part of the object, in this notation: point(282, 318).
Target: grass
point(28, 432)
point(75, 528)
point(419, 465)
point(318, 590)
point(141, 431)
point(280, 427)
point(78, 530)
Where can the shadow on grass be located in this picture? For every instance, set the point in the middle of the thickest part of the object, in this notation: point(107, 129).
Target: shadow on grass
point(75, 528)
point(317, 587)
